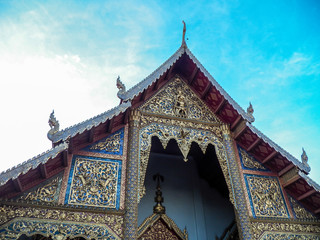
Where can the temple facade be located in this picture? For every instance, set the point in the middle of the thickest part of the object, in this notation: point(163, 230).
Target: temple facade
point(178, 158)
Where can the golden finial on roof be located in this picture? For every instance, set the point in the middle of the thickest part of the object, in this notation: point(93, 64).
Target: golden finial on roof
point(184, 33)
point(304, 156)
point(158, 208)
point(250, 109)
point(54, 126)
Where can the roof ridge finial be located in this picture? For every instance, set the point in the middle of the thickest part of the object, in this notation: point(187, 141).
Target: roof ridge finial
point(121, 87)
point(184, 34)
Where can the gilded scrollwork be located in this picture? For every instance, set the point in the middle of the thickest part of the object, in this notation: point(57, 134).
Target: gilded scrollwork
point(56, 229)
point(159, 231)
point(289, 236)
point(184, 137)
point(299, 211)
point(265, 196)
point(112, 144)
point(178, 100)
point(47, 193)
point(8, 213)
point(249, 162)
point(261, 229)
point(94, 182)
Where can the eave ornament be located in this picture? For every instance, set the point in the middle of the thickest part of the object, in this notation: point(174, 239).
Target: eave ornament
point(250, 111)
point(304, 159)
point(54, 126)
point(122, 89)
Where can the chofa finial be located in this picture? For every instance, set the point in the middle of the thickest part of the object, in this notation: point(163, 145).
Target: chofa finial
point(250, 109)
point(184, 33)
point(121, 87)
point(54, 126)
point(304, 157)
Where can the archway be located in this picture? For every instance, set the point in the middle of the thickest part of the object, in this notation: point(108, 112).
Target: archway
point(195, 192)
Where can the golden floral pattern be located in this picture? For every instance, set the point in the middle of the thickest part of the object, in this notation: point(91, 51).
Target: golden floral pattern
point(266, 198)
point(249, 162)
point(159, 231)
point(94, 182)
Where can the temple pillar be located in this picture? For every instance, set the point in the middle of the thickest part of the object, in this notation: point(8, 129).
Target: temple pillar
point(131, 200)
point(238, 193)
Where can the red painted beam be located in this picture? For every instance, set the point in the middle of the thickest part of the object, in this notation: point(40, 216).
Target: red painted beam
point(254, 144)
point(307, 194)
point(294, 179)
point(91, 135)
point(17, 185)
point(286, 169)
point(240, 132)
point(268, 158)
point(110, 125)
point(43, 170)
point(206, 90)
point(193, 75)
point(235, 123)
point(65, 159)
point(221, 104)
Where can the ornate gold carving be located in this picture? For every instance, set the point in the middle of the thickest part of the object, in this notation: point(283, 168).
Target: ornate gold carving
point(249, 162)
point(159, 231)
point(47, 193)
point(8, 213)
point(178, 100)
point(134, 115)
point(299, 211)
point(260, 228)
point(289, 175)
point(160, 226)
point(266, 197)
point(184, 138)
point(94, 183)
point(111, 144)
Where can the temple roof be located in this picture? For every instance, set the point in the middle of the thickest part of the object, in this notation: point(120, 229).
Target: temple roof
point(184, 64)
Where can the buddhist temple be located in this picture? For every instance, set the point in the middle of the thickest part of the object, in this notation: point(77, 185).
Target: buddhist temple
point(177, 158)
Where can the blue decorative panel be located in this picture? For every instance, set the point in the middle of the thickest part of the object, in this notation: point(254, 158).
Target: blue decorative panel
point(265, 195)
point(250, 163)
point(112, 144)
point(94, 182)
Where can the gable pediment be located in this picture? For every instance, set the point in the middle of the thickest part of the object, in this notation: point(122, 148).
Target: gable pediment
point(177, 100)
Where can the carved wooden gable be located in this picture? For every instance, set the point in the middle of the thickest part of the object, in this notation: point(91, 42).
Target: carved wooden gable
point(177, 100)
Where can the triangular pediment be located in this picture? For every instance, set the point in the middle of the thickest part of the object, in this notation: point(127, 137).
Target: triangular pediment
point(177, 100)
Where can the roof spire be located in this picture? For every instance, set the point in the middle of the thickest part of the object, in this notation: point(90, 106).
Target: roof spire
point(184, 34)
point(158, 208)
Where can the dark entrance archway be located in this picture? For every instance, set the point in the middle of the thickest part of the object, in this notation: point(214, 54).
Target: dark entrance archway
point(195, 193)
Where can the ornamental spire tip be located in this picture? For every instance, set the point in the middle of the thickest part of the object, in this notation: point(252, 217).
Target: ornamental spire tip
point(184, 34)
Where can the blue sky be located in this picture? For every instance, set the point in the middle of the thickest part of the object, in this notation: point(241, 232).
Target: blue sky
point(66, 57)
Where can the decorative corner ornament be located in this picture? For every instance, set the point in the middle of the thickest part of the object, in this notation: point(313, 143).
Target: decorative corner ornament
point(304, 159)
point(122, 89)
point(184, 34)
point(158, 208)
point(250, 111)
point(54, 126)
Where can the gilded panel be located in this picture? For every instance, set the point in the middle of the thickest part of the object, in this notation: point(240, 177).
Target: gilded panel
point(265, 195)
point(299, 211)
point(47, 192)
point(178, 100)
point(56, 229)
point(94, 182)
point(8, 213)
point(249, 162)
point(112, 144)
point(269, 230)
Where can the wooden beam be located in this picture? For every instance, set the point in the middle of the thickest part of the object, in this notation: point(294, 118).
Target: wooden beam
point(91, 135)
point(143, 95)
point(234, 124)
point(268, 158)
point(70, 149)
point(221, 104)
point(193, 75)
point(126, 117)
point(254, 144)
point(110, 125)
point(17, 185)
point(65, 159)
point(307, 194)
point(206, 90)
point(43, 170)
point(239, 129)
point(292, 180)
point(286, 169)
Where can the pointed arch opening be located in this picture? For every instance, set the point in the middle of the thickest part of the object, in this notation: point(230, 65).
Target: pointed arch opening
point(196, 195)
